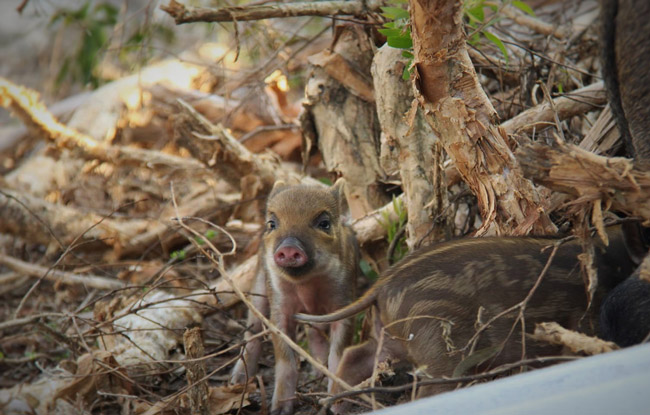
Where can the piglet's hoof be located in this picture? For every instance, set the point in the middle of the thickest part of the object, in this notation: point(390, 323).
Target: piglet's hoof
point(238, 376)
point(283, 408)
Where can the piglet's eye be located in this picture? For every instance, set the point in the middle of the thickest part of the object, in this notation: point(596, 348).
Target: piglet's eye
point(271, 225)
point(324, 224)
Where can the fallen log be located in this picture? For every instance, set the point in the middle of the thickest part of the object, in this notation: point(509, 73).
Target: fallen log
point(604, 181)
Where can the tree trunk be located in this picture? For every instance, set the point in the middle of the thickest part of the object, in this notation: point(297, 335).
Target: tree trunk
point(460, 113)
point(412, 148)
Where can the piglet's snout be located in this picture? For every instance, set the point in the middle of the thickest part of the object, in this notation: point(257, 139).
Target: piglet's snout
point(290, 254)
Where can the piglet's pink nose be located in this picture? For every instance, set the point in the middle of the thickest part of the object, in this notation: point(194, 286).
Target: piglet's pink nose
point(290, 256)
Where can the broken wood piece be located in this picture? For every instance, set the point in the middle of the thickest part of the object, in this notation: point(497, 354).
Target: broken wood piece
point(219, 150)
point(195, 371)
point(38, 221)
point(371, 227)
point(12, 134)
point(553, 333)
point(213, 206)
point(609, 181)
point(53, 391)
point(572, 103)
point(143, 335)
point(344, 126)
point(64, 277)
point(603, 135)
point(338, 68)
point(184, 14)
point(27, 106)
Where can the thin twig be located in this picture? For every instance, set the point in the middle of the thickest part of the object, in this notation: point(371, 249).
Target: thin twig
point(27, 320)
point(267, 128)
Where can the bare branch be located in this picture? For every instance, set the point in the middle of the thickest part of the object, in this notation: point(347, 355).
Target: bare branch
point(68, 278)
point(27, 106)
point(570, 104)
point(41, 222)
point(183, 14)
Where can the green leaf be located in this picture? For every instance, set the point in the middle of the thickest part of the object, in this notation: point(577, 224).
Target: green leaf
point(325, 181)
point(180, 255)
point(406, 73)
point(497, 42)
point(475, 359)
point(390, 32)
point(400, 42)
point(367, 270)
point(408, 55)
point(474, 39)
point(358, 326)
point(210, 234)
point(476, 14)
point(109, 10)
point(81, 13)
point(523, 7)
point(395, 13)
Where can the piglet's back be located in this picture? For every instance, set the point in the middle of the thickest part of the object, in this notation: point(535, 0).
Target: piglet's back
point(435, 299)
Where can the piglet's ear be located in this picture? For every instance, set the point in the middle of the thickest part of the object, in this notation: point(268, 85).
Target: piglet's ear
point(277, 187)
point(338, 191)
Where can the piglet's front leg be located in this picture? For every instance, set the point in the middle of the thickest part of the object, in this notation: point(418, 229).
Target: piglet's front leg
point(340, 336)
point(246, 367)
point(286, 369)
point(318, 344)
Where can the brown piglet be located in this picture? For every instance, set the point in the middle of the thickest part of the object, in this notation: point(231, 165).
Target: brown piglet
point(426, 309)
point(308, 263)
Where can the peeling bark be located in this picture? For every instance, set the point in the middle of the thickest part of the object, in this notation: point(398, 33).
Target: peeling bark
point(460, 113)
point(412, 147)
point(578, 342)
point(609, 182)
point(346, 126)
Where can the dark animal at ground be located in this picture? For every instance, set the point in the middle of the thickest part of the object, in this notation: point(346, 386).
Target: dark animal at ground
point(625, 41)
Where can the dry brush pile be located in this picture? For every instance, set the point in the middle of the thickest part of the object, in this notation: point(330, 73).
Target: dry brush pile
point(135, 217)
